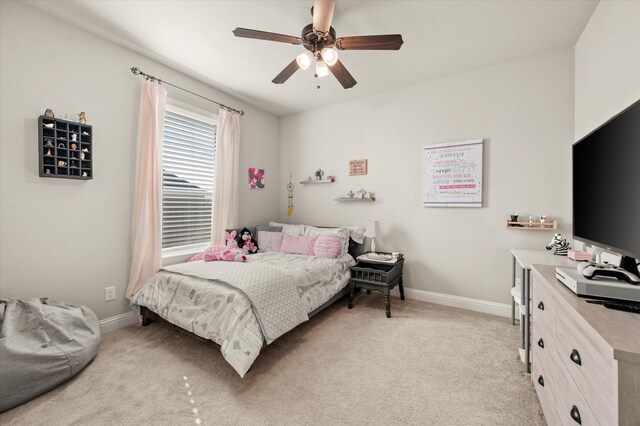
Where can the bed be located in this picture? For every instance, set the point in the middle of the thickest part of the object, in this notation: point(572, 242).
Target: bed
point(242, 307)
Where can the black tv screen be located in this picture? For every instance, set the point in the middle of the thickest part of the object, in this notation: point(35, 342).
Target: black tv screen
point(606, 185)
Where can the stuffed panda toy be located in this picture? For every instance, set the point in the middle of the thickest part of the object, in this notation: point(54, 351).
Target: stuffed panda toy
point(246, 242)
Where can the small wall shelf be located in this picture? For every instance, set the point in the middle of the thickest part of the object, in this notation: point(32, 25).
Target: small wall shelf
point(346, 200)
point(535, 226)
point(306, 182)
point(60, 153)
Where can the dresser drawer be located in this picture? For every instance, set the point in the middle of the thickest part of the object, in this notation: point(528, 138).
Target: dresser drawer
point(543, 306)
point(544, 390)
point(542, 343)
point(582, 354)
point(570, 404)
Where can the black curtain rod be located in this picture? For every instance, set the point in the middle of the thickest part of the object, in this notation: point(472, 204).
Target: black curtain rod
point(137, 71)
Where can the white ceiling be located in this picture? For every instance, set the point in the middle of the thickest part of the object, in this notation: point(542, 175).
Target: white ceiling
point(440, 38)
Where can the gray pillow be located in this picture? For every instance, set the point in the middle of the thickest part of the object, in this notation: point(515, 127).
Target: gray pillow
point(268, 228)
point(265, 228)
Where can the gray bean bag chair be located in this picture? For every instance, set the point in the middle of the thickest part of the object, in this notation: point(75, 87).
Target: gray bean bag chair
point(43, 343)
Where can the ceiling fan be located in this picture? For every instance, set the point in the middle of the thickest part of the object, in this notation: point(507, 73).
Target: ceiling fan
point(319, 38)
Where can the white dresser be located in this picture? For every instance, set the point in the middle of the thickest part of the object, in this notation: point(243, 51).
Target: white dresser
point(586, 358)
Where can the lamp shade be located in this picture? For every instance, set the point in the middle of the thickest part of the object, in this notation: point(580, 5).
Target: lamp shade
point(322, 70)
point(329, 55)
point(304, 59)
point(373, 229)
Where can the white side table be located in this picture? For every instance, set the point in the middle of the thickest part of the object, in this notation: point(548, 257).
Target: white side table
point(524, 259)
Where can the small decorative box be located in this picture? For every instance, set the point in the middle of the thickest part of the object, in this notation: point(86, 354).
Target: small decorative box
point(580, 255)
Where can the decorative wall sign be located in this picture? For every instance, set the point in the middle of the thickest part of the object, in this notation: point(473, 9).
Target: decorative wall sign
point(357, 167)
point(453, 174)
point(256, 178)
point(290, 197)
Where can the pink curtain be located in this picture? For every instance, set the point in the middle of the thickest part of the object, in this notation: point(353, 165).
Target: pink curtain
point(146, 229)
point(225, 192)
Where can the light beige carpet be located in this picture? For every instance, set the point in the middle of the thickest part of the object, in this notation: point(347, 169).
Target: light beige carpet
point(427, 365)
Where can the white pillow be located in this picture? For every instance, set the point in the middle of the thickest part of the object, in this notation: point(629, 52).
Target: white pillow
point(341, 232)
point(357, 233)
point(295, 230)
point(270, 241)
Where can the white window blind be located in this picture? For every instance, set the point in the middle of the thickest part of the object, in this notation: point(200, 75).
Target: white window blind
point(188, 158)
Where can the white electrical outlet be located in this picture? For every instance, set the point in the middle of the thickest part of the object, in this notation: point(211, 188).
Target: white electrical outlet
point(109, 293)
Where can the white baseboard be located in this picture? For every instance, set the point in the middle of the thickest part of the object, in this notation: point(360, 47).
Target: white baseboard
point(118, 321)
point(500, 309)
point(478, 305)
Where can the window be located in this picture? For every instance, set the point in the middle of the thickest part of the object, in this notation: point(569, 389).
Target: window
point(188, 158)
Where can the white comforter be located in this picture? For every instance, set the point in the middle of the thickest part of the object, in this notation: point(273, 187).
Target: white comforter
point(190, 296)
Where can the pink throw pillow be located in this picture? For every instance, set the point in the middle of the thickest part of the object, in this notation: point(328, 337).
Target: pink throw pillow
point(329, 246)
point(298, 245)
point(270, 241)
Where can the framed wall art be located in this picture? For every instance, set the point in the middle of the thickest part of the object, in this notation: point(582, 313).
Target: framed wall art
point(453, 174)
point(357, 167)
point(256, 178)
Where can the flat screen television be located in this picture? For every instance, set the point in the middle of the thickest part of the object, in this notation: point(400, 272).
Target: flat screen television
point(606, 187)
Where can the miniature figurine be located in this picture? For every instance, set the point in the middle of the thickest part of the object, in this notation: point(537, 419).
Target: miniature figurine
point(49, 142)
point(84, 174)
point(74, 137)
point(48, 154)
point(351, 194)
point(47, 171)
point(74, 146)
point(319, 174)
point(62, 163)
point(49, 113)
point(48, 125)
point(85, 149)
point(85, 133)
point(81, 118)
point(60, 145)
point(82, 155)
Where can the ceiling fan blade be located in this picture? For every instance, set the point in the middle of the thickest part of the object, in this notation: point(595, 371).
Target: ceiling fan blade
point(343, 75)
point(323, 14)
point(286, 72)
point(264, 35)
point(370, 42)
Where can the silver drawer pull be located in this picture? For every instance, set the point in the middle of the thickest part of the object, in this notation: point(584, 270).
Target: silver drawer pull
point(541, 343)
point(541, 381)
point(575, 415)
point(575, 357)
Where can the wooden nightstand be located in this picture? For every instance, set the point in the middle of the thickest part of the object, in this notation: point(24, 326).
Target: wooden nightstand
point(380, 276)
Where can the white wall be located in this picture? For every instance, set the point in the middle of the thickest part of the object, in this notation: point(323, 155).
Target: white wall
point(523, 110)
point(68, 239)
point(607, 61)
point(607, 67)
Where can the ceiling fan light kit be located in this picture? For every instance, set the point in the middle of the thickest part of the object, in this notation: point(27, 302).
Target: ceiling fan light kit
point(319, 38)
